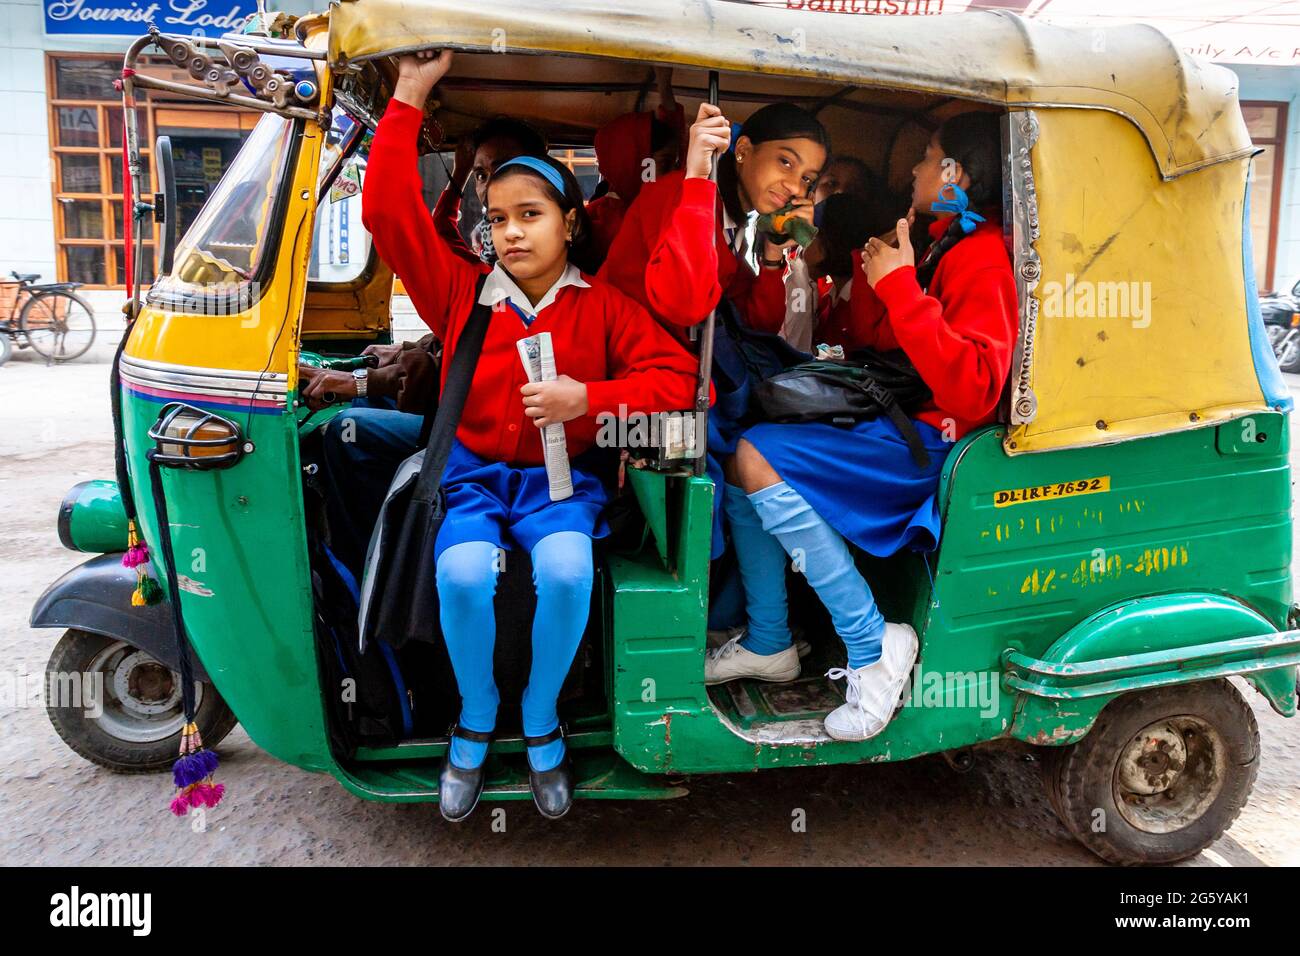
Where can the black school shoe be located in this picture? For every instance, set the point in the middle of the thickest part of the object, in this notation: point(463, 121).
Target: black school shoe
point(552, 789)
point(459, 790)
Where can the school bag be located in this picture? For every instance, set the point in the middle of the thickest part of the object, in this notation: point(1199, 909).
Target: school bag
point(863, 386)
point(399, 596)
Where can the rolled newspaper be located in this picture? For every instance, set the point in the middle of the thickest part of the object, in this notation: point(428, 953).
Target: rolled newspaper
point(539, 363)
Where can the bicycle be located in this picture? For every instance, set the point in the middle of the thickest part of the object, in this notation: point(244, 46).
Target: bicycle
point(51, 318)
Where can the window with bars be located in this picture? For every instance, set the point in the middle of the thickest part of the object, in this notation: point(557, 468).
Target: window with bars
point(86, 143)
point(582, 162)
point(86, 159)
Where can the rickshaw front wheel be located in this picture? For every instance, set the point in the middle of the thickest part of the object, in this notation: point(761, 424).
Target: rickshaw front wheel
point(1161, 775)
point(119, 707)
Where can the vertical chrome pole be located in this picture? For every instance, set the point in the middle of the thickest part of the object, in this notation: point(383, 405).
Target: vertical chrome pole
point(706, 337)
point(138, 189)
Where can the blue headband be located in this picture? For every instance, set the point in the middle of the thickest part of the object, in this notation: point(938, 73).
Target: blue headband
point(539, 166)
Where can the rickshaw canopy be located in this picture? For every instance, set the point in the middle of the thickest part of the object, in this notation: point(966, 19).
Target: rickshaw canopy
point(1184, 108)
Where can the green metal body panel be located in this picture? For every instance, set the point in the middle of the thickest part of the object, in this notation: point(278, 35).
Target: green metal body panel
point(241, 555)
point(93, 518)
point(1201, 513)
point(1148, 642)
point(650, 493)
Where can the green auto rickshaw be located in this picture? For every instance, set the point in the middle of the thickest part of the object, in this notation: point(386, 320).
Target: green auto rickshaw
point(1114, 548)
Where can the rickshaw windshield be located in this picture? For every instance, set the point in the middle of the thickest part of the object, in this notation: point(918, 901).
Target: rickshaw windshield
point(224, 250)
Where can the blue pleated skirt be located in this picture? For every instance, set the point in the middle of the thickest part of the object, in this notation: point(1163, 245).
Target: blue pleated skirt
point(861, 480)
point(492, 501)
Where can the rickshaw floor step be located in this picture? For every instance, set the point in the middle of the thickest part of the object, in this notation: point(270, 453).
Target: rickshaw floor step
point(436, 747)
point(600, 775)
point(751, 702)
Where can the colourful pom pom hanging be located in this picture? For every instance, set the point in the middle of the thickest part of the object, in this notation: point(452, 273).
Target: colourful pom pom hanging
point(194, 767)
point(192, 774)
point(147, 590)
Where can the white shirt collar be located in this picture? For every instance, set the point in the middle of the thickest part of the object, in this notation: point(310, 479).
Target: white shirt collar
point(499, 287)
point(846, 292)
point(727, 221)
point(744, 239)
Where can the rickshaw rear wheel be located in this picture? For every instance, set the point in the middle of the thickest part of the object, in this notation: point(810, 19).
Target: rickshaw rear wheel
point(1162, 774)
point(119, 707)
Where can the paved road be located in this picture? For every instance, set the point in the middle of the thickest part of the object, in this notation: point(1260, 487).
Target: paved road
point(56, 808)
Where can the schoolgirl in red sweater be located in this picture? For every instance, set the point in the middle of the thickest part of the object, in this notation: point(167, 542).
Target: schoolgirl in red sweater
point(631, 150)
point(500, 139)
point(690, 241)
point(609, 353)
point(804, 489)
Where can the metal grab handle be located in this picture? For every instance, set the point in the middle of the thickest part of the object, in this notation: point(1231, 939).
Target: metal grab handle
point(706, 337)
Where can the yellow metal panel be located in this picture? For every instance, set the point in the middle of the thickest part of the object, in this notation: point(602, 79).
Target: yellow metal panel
point(264, 338)
point(1142, 322)
point(1187, 110)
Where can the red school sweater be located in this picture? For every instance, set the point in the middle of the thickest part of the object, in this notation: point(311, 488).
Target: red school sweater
point(960, 333)
point(601, 337)
point(446, 222)
point(622, 148)
point(672, 256)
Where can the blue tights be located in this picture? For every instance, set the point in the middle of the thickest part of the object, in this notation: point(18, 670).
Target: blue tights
point(773, 523)
point(467, 580)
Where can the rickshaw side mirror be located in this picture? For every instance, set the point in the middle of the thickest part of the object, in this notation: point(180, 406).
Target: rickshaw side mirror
point(164, 207)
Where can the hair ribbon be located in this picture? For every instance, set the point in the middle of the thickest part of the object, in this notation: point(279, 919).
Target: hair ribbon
point(958, 204)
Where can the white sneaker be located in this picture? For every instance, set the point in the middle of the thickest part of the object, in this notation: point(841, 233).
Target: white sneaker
point(731, 661)
point(871, 693)
point(720, 637)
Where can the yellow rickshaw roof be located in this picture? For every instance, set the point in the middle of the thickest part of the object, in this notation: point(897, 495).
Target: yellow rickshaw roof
point(1186, 109)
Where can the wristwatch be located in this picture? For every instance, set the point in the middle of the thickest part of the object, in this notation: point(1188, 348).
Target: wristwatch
point(362, 377)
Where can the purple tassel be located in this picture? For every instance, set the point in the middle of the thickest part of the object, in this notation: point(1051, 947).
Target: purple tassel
point(192, 768)
point(135, 556)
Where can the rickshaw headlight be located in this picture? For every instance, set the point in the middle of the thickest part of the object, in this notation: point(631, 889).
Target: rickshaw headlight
point(189, 437)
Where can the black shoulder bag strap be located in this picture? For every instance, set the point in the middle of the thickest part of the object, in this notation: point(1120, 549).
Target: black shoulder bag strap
point(888, 403)
point(464, 359)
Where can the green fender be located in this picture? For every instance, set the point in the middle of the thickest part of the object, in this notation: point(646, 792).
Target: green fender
point(1147, 642)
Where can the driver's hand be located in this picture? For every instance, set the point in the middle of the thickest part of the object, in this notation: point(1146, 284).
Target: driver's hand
point(386, 354)
point(314, 383)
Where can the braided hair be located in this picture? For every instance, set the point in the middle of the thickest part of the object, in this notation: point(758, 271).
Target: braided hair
point(975, 141)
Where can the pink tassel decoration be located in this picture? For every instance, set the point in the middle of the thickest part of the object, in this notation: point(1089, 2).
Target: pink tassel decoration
point(192, 775)
point(137, 552)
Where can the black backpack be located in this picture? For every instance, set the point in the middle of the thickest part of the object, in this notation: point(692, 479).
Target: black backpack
point(863, 386)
